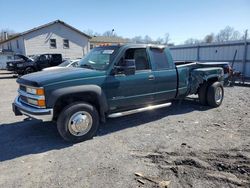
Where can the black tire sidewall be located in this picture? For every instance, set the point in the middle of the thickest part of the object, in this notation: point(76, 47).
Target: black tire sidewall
point(211, 94)
point(64, 117)
point(28, 68)
point(202, 93)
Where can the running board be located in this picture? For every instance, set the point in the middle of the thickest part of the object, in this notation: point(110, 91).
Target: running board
point(119, 114)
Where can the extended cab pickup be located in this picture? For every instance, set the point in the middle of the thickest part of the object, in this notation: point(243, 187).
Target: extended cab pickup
point(27, 65)
point(113, 81)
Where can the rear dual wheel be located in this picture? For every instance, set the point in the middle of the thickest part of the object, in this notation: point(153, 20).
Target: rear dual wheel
point(211, 94)
point(215, 94)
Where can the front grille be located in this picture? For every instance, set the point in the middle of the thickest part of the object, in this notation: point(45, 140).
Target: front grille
point(22, 88)
point(23, 99)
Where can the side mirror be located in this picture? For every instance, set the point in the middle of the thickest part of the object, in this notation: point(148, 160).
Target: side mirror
point(127, 67)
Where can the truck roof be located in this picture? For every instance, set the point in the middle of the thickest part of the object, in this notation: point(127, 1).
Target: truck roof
point(128, 45)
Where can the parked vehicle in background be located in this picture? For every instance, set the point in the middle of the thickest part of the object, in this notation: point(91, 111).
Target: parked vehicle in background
point(18, 59)
point(67, 63)
point(113, 81)
point(27, 65)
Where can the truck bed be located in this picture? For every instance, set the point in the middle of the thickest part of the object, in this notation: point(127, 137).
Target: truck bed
point(195, 72)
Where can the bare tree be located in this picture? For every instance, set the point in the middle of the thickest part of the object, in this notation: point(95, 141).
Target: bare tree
point(192, 41)
point(110, 33)
point(209, 38)
point(228, 34)
point(147, 39)
point(137, 39)
point(90, 32)
point(159, 40)
point(167, 38)
point(9, 33)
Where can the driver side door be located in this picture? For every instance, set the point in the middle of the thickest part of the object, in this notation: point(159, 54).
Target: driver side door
point(43, 62)
point(129, 91)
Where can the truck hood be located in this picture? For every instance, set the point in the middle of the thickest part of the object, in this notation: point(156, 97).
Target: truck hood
point(15, 62)
point(47, 77)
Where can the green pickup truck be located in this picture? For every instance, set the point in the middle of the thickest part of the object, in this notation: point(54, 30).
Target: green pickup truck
point(113, 81)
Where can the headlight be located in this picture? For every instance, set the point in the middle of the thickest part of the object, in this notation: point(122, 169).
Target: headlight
point(40, 102)
point(35, 91)
point(10, 64)
point(32, 95)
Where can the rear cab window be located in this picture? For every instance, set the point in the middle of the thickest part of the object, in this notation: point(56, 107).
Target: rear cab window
point(160, 58)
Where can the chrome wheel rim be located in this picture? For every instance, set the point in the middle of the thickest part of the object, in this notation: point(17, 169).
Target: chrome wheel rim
point(80, 123)
point(218, 95)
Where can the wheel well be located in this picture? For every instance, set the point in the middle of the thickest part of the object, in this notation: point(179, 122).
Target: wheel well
point(65, 100)
point(208, 82)
point(33, 68)
point(212, 80)
point(30, 67)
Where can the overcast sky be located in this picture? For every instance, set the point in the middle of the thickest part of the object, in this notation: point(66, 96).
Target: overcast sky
point(182, 19)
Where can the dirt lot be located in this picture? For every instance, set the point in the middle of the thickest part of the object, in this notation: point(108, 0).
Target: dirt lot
point(186, 144)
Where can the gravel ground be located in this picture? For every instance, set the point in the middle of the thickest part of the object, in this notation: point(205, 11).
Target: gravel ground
point(187, 144)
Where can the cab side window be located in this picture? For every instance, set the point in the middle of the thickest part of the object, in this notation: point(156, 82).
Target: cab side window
point(43, 58)
point(140, 57)
point(160, 59)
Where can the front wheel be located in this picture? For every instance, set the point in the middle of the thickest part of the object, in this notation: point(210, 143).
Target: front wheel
point(215, 94)
point(29, 70)
point(78, 122)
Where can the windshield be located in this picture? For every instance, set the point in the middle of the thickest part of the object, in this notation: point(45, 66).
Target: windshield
point(22, 57)
point(64, 64)
point(35, 57)
point(99, 58)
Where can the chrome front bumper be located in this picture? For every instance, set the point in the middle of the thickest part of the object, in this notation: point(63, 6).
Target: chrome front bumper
point(20, 108)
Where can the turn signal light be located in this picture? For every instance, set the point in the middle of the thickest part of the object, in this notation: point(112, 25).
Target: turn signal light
point(41, 103)
point(40, 91)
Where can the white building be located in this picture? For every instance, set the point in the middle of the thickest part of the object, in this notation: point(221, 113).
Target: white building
point(54, 37)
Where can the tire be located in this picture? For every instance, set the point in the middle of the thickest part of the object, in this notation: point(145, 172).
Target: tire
point(78, 122)
point(202, 93)
point(28, 70)
point(215, 94)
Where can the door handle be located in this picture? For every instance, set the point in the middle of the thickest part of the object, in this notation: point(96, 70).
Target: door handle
point(151, 77)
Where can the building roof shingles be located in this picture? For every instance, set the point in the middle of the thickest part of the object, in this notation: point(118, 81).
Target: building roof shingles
point(43, 26)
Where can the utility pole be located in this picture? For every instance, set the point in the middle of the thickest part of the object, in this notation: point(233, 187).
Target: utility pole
point(244, 56)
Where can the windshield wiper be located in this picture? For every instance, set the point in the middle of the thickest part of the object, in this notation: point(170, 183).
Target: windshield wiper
point(87, 66)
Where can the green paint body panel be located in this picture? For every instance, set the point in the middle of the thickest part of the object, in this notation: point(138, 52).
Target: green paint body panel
point(123, 91)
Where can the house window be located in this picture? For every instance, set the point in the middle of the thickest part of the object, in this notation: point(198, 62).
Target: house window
point(17, 44)
point(91, 46)
point(65, 43)
point(52, 43)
